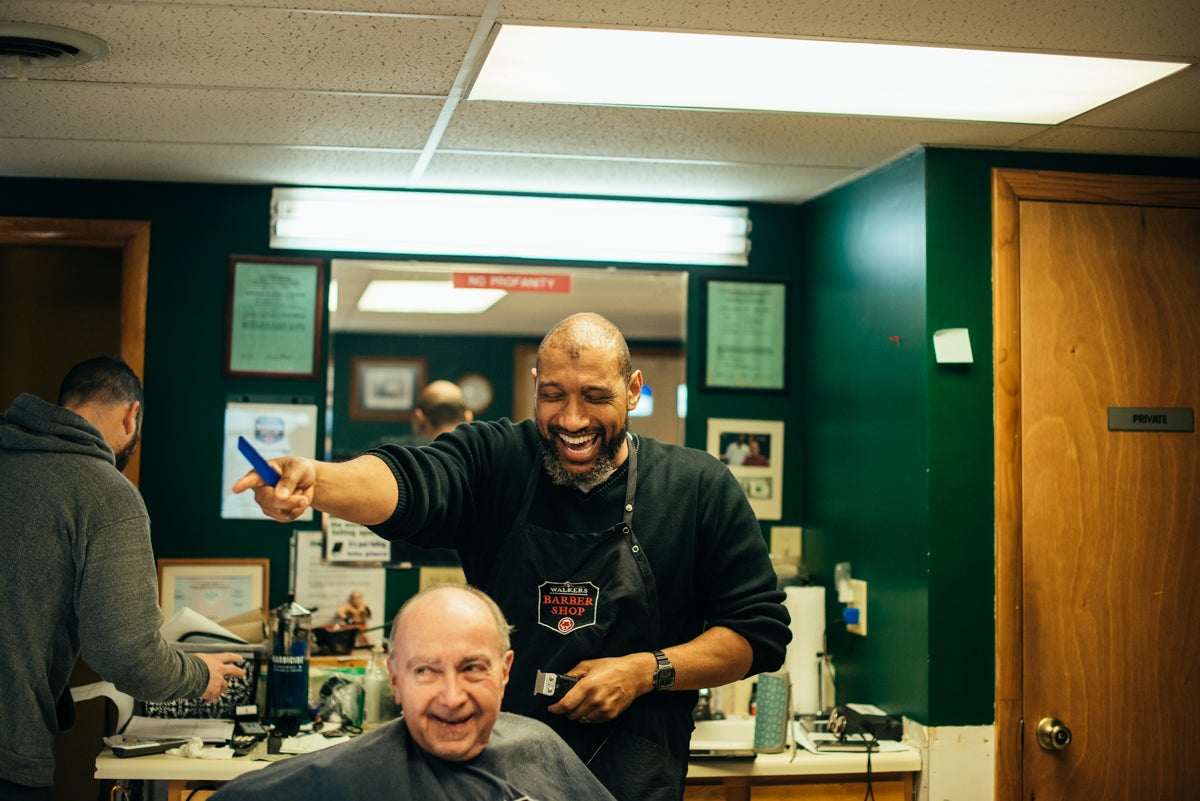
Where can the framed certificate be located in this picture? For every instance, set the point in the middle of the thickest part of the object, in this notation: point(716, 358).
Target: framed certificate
point(274, 314)
point(745, 335)
point(216, 588)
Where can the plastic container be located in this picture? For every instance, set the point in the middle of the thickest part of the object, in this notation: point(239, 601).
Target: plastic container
point(379, 704)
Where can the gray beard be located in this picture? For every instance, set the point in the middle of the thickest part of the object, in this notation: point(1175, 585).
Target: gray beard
point(602, 469)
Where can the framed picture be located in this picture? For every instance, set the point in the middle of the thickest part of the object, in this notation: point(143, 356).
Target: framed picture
point(385, 387)
point(218, 589)
point(273, 317)
point(745, 335)
point(753, 452)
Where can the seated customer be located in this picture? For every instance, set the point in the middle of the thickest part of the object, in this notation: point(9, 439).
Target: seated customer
point(450, 660)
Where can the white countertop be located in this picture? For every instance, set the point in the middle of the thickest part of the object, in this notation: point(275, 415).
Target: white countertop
point(164, 767)
point(805, 763)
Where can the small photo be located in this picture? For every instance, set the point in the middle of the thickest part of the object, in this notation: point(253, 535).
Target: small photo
point(745, 449)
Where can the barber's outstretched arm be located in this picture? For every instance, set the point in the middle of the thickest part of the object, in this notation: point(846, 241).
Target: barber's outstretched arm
point(608, 686)
point(362, 490)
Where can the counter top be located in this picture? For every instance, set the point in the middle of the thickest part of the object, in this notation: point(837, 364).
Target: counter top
point(806, 763)
point(164, 767)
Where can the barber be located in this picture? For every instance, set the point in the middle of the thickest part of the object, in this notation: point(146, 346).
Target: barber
point(636, 566)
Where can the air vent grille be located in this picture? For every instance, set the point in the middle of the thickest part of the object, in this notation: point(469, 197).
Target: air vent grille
point(35, 49)
point(29, 46)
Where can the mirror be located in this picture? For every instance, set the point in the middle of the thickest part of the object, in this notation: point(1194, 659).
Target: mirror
point(497, 345)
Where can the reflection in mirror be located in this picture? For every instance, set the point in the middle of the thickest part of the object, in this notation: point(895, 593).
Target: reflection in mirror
point(499, 343)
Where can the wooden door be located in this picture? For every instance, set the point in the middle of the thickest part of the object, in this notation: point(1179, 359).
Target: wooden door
point(1098, 529)
point(131, 240)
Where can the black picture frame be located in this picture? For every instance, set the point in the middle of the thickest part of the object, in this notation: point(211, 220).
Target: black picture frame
point(275, 309)
point(744, 331)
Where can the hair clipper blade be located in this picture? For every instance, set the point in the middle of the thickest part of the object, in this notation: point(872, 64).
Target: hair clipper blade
point(554, 685)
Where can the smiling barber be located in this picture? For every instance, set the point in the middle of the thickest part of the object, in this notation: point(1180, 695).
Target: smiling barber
point(634, 565)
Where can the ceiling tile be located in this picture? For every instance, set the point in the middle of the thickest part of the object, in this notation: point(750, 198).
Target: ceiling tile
point(651, 179)
point(205, 163)
point(153, 114)
point(264, 48)
point(797, 139)
point(1084, 139)
point(1172, 104)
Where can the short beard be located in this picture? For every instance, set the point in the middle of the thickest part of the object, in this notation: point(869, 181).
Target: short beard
point(600, 470)
point(122, 459)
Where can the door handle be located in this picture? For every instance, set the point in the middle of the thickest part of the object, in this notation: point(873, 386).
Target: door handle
point(1053, 734)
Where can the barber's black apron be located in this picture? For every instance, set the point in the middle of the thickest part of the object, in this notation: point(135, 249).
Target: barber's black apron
point(572, 597)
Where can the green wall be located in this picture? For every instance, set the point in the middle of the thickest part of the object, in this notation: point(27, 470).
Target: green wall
point(194, 229)
point(864, 430)
point(899, 450)
point(888, 455)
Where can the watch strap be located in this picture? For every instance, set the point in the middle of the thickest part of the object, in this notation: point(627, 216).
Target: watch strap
point(664, 672)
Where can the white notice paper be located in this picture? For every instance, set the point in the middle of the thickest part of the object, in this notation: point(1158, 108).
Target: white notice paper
point(952, 346)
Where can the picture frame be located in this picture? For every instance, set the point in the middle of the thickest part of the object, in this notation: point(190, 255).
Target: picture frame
point(759, 466)
point(744, 330)
point(274, 316)
point(218, 589)
point(385, 387)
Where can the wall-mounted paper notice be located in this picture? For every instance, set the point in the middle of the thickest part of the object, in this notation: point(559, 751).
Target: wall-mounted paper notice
point(952, 346)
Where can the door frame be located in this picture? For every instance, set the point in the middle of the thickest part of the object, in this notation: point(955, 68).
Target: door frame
point(1009, 189)
point(132, 237)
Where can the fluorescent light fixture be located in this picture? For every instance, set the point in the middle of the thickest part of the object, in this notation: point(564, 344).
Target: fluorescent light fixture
point(426, 297)
point(450, 224)
point(603, 66)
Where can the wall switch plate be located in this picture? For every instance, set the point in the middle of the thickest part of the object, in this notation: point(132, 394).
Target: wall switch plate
point(786, 541)
point(859, 589)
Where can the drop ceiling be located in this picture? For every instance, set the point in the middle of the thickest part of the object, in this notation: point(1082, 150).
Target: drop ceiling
point(371, 93)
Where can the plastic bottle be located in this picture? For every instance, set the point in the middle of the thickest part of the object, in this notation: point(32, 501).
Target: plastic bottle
point(378, 704)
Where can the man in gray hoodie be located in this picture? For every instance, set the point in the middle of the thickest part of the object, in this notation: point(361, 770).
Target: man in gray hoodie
point(78, 571)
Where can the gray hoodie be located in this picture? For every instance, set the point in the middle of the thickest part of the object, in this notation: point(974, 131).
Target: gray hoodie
point(78, 574)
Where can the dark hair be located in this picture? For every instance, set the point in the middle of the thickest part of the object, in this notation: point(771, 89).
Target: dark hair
point(443, 414)
point(104, 379)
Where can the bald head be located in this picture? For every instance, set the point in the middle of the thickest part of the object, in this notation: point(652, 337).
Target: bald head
point(588, 331)
point(440, 407)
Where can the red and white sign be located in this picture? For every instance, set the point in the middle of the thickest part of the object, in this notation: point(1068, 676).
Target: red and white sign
point(514, 282)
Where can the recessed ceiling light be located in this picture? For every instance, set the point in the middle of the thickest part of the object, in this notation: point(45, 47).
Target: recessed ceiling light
point(602, 66)
point(426, 297)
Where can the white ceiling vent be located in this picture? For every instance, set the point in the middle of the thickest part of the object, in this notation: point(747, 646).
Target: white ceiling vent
point(26, 46)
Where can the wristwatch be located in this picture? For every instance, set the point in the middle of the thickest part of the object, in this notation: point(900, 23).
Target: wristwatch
point(664, 674)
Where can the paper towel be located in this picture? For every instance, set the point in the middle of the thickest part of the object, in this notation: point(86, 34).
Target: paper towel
point(806, 605)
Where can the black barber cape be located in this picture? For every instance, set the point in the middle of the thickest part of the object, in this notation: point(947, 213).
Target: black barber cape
point(523, 760)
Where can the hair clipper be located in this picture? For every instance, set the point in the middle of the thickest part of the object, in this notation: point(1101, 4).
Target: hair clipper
point(554, 685)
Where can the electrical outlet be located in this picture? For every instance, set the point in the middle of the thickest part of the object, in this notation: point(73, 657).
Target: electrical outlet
point(859, 588)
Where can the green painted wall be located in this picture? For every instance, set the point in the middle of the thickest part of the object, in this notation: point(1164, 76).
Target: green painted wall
point(194, 229)
point(899, 450)
point(864, 428)
point(888, 456)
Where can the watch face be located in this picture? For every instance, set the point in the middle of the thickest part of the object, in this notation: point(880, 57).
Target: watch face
point(666, 678)
point(477, 391)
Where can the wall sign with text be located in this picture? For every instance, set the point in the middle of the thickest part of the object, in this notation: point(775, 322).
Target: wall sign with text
point(745, 335)
point(274, 314)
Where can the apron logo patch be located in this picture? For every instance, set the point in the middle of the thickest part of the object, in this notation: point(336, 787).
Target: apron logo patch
point(566, 605)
